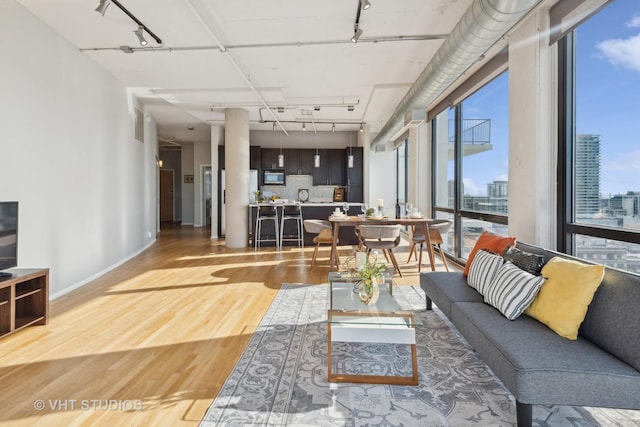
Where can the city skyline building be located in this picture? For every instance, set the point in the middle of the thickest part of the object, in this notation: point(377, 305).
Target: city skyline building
point(587, 175)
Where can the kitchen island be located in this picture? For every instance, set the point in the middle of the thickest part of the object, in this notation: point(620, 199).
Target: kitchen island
point(310, 210)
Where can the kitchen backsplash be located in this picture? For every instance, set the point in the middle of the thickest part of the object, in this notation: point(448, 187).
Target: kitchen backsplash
point(296, 182)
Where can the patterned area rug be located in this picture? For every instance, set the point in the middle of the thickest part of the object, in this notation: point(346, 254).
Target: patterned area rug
point(281, 378)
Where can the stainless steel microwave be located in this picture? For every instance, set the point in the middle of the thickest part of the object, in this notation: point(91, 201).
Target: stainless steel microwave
point(273, 177)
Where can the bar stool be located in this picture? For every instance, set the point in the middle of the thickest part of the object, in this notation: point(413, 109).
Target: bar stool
point(294, 213)
point(266, 213)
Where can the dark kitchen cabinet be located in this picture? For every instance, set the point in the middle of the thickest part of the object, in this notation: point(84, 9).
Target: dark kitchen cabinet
point(321, 174)
point(355, 180)
point(337, 162)
point(331, 170)
point(254, 157)
point(269, 158)
point(298, 161)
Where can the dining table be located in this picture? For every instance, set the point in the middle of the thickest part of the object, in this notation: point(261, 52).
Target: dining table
point(358, 220)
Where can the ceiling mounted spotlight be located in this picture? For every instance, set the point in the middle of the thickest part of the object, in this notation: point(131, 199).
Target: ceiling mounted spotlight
point(356, 35)
point(140, 34)
point(304, 127)
point(361, 127)
point(102, 7)
point(333, 127)
point(365, 4)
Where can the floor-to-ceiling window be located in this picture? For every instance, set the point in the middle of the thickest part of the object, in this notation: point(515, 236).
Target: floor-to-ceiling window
point(470, 152)
point(402, 153)
point(599, 155)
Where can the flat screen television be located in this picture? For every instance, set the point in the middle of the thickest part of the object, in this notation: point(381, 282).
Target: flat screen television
point(8, 236)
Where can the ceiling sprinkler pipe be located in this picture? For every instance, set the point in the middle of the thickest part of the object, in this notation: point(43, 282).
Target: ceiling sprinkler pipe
point(482, 25)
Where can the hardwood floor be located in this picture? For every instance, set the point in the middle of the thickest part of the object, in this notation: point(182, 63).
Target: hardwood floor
point(151, 342)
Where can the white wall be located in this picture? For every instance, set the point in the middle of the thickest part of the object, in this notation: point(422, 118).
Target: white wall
point(381, 179)
point(188, 189)
point(85, 186)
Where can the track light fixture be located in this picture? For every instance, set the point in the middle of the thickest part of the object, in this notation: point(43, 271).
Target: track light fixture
point(333, 127)
point(365, 4)
point(361, 127)
point(304, 127)
point(356, 35)
point(102, 7)
point(140, 34)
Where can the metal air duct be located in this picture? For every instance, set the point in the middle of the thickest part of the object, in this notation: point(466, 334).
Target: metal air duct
point(482, 25)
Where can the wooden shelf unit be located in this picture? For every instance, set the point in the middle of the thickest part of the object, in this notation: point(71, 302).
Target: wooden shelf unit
point(24, 299)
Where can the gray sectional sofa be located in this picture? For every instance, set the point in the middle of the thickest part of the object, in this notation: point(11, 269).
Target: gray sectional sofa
point(601, 368)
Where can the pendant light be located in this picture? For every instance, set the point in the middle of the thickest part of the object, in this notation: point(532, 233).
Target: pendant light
point(316, 158)
point(350, 156)
point(280, 156)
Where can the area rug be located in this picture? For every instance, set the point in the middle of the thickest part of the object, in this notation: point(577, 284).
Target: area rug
point(281, 377)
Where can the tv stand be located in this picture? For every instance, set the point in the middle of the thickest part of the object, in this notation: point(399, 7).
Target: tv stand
point(24, 299)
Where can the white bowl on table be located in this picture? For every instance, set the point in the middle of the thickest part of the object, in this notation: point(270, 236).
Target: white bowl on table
point(416, 215)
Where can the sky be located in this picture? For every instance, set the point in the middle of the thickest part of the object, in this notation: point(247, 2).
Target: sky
point(608, 88)
point(607, 103)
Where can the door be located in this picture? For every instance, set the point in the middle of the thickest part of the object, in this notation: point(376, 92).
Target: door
point(166, 194)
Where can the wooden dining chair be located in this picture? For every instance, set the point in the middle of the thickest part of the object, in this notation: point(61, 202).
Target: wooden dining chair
point(383, 237)
point(437, 229)
point(324, 236)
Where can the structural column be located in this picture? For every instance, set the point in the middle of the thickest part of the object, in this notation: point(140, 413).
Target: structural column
point(237, 164)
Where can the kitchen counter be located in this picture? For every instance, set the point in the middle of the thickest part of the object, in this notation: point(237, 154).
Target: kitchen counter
point(305, 204)
point(310, 210)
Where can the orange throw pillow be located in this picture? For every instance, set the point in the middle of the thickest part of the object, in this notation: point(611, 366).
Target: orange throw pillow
point(492, 243)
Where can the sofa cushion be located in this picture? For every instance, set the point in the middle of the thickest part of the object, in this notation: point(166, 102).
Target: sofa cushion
point(613, 318)
point(540, 367)
point(613, 330)
point(562, 302)
point(527, 261)
point(444, 288)
point(492, 243)
point(483, 269)
point(512, 290)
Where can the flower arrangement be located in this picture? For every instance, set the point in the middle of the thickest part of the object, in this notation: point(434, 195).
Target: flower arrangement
point(370, 275)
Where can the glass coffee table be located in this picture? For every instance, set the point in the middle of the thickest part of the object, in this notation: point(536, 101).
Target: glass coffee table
point(350, 320)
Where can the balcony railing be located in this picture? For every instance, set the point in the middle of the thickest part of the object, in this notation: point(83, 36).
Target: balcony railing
point(474, 131)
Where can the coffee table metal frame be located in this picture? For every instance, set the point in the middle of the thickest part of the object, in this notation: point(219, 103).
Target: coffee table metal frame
point(350, 320)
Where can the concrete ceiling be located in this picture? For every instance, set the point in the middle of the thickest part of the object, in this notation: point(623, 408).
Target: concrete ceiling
point(293, 54)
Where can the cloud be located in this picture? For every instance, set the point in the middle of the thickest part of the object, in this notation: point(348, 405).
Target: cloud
point(634, 23)
point(625, 52)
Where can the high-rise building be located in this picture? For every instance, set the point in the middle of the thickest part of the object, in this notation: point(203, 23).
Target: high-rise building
point(498, 189)
point(587, 175)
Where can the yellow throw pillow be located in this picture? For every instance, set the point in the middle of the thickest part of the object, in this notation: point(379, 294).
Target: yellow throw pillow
point(565, 296)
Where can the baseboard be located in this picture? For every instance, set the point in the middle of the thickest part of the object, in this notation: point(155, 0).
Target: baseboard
point(98, 274)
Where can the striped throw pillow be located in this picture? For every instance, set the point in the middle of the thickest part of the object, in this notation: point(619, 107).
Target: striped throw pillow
point(484, 267)
point(512, 290)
